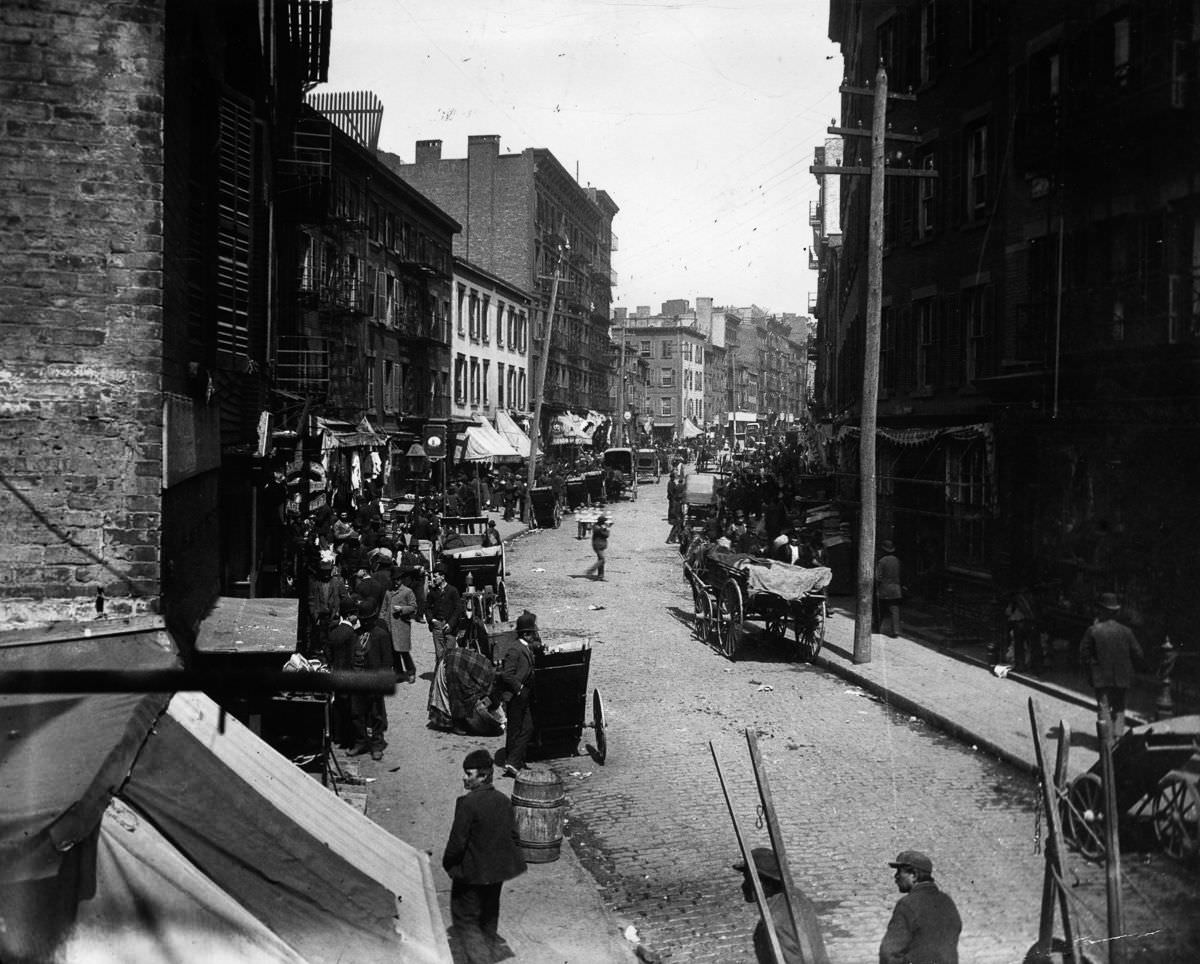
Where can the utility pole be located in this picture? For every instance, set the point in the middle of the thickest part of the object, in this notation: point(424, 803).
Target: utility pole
point(621, 430)
point(870, 387)
point(540, 382)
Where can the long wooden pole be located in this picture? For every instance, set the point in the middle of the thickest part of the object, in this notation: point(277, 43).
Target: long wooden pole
point(535, 432)
point(1112, 842)
point(870, 386)
point(751, 867)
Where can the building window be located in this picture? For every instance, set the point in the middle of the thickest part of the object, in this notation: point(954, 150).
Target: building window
point(924, 318)
point(967, 497)
point(514, 400)
point(485, 316)
point(487, 366)
point(500, 385)
point(474, 381)
point(686, 350)
point(699, 380)
point(977, 172)
point(979, 17)
point(644, 350)
point(975, 308)
point(501, 314)
point(390, 389)
point(668, 349)
point(460, 380)
point(370, 383)
point(522, 391)
point(665, 409)
point(926, 199)
point(1120, 51)
point(473, 317)
point(928, 40)
point(667, 378)
point(462, 296)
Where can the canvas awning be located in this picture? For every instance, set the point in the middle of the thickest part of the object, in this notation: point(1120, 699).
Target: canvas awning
point(341, 435)
point(690, 429)
point(512, 433)
point(480, 442)
point(158, 835)
point(569, 429)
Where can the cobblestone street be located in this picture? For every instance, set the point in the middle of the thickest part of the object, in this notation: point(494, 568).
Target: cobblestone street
point(854, 781)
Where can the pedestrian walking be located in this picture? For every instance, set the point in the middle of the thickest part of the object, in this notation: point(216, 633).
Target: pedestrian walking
point(514, 687)
point(481, 854)
point(398, 611)
point(925, 924)
point(1108, 652)
point(767, 865)
point(600, 532)
point(888, 591)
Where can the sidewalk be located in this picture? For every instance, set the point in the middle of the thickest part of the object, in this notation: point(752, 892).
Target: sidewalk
point(552, 913)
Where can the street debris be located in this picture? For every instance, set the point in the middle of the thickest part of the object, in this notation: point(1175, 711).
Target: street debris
point(631, 935)
point(765, 688)
point(538, 570)
point(594, 607)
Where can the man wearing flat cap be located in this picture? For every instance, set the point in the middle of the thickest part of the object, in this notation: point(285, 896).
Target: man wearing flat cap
point(767, 865)
point(481, 854)
point(1108, 652)
point(925, 925)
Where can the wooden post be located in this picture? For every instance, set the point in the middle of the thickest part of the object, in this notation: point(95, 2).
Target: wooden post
point(539, 388)
point(1112, 842)
point(870, 386)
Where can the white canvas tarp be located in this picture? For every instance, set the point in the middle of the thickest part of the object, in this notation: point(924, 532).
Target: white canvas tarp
point(512, 433)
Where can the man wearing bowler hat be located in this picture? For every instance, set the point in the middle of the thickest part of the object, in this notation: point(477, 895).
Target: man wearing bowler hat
point(482, 852)
point(767, 865)
point(925, 925)
point(514, 687)
point(1108, 652)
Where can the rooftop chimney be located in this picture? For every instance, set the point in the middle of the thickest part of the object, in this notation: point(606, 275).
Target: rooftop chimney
point(429, 151)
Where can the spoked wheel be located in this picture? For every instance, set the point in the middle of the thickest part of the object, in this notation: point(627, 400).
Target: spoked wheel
point(731, 611)
point(775, 623)
point(557, 515)
point(810, 630)
point(600, 725)
point(697, 601)
point(1083, 815)
point(706, 622)
point(1176, 815)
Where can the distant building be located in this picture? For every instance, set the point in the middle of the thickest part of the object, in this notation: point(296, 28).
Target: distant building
point(518, 212)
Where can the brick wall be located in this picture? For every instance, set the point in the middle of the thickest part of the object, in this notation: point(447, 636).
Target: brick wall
point(80, 306)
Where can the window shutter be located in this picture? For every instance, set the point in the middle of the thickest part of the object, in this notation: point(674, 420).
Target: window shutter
point(235, 218)
point(953, 339)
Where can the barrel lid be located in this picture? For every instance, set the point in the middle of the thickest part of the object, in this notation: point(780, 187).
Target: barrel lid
point(538, 775)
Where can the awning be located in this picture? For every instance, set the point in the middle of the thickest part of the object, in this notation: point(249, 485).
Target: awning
point(343, 435)
point(481, 442)
point(512, 433)
point(261, 626)
point(690, 429)
point(156, 835)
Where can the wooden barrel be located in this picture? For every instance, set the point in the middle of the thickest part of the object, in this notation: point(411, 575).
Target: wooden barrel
point(538, 805)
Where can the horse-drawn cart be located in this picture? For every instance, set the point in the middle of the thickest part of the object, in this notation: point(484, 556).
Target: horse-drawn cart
point(1157, 769)
point(729, 588)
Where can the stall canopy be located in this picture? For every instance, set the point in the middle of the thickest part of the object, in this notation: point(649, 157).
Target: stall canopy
point(480, 442)
point(141, 827)
point(690, 429)
point(343, 435)
point(512, 433)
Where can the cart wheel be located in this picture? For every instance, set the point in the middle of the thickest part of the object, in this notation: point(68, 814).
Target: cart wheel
point(557, 516)
point(697, 596)
point(1176, 815)
point(600, 726)
point(810, 632)
point(731, 611)
point(706, 621)
point(1083, 815)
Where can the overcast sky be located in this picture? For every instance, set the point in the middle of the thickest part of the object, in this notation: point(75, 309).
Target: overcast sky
point(698, 117)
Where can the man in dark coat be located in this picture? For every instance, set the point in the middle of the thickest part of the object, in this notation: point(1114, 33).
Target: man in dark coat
point(1108, 652)
point(767, 865)
point(372, 652)
point(514, 687)
point(925, 925)
point(339, 655)
point(444, 607)
point(481, 854)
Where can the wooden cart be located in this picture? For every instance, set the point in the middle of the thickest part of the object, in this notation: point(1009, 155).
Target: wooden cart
point(729, 588)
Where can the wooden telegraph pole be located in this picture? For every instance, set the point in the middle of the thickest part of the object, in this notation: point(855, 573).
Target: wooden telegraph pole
point(539, 384)
point(870, 387)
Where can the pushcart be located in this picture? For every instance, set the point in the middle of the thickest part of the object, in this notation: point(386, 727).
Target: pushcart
point(701, 502)
point(559, 703)
point(594, 483)
point(576, 489)
point(1157, 769)
point(647, 465)
point(620, 466)
point(730, 588)
point(546, 512)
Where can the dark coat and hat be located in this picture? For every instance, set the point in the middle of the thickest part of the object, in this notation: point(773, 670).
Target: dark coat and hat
point(483, 846)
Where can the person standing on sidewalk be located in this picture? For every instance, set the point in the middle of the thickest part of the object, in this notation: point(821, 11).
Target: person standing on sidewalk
point(445, 608)
point(888, 591)
point(372, 652)
point(514, 687)
point(399, 608)
point(600, 532)
point(925, 925)
point(1108, 652)
point(481, 854)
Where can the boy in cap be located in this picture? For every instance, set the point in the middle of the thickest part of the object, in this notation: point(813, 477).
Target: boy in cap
point(1108, 652)
point(767, 865)
point(481, 854)
point(925, 925)
point(600, 531)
